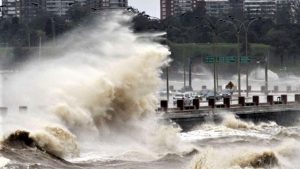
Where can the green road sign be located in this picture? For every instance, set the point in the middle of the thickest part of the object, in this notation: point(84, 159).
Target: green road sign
point(226, 59)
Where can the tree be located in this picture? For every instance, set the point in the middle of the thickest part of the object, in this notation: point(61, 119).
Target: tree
point(143, 22)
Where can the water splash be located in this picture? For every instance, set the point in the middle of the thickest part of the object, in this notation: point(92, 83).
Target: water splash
point(99, 84)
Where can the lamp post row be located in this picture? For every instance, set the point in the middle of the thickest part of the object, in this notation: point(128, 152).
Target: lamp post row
point(238, 28)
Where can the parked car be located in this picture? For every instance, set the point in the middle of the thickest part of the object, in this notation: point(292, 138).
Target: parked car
point(227, 93)
point(178, 96)
point(197, 95)
point(210, 94)
point(187, 97)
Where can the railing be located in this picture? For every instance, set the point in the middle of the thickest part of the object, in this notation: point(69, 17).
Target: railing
point(277, 103)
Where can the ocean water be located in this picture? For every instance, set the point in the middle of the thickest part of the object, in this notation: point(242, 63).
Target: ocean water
point(232, 144)
point(91, 103)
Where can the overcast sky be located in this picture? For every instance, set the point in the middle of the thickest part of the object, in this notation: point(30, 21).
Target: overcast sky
point(151, 7)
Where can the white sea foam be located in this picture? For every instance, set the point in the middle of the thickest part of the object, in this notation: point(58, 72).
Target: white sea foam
point(3, 162)
point(231, 127)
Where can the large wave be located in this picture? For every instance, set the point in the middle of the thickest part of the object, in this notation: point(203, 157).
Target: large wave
point(95, 91)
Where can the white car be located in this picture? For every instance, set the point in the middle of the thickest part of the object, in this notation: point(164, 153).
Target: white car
point(186, 97)
point(178, 96)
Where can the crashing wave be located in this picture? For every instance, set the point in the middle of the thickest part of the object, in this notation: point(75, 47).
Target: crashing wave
point(257, 160)
point(101, 89)
point(53, 140)
point(207, 160)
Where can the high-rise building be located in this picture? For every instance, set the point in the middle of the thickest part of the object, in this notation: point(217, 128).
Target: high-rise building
point(251, 8)
point(31, 8)
point(27, 9)
point(166, 8)
point(176, 7)
point(285, 12)
point(59, 7)
point(263, 8)
point(107, 4)
point(236, 8)
point(217, 8)
point(11, 8)
point(118, 3)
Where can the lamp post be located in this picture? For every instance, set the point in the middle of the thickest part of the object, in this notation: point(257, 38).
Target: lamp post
point(210, 25)
point(246, 39)
point(237, 28)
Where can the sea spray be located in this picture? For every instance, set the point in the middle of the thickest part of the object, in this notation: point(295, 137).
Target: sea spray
point(99, 83)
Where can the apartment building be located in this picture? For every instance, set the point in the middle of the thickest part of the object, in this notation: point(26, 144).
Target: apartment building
point(107, 4)
point(264, 8)
point(253, 8)
point(26, 9)
point(217, 8)
point(59, 7)
point(176, 7)
point(11, 8)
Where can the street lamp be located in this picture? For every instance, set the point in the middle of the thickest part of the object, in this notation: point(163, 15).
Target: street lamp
point(237, 29)
point(213, 28)
point(246, 39)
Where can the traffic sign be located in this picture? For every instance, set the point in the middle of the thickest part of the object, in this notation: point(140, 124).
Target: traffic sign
point(226, 59)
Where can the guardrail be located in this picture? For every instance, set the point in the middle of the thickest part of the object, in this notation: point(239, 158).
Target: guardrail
point(281, 100)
